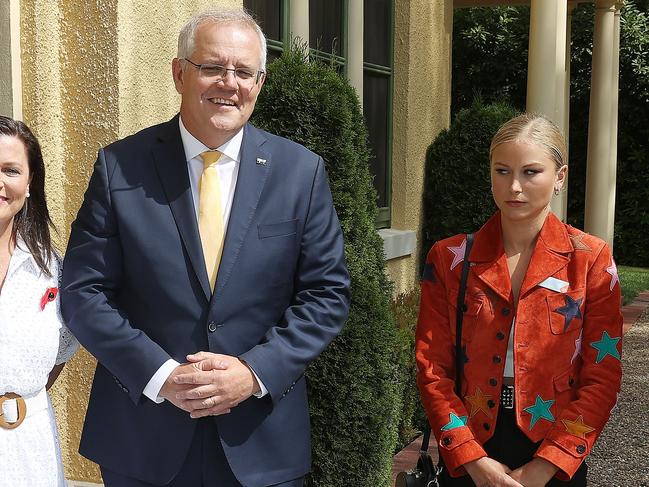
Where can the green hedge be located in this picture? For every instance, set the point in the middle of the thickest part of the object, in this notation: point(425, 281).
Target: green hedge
point(457, 189)
point(355, 387)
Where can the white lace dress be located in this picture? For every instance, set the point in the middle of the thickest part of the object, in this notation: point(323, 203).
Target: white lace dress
point(32, 340)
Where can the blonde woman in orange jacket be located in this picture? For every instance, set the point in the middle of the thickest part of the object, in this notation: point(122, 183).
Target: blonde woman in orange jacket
point(542, 331)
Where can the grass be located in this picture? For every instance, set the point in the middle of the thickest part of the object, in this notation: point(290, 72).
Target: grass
point(634, 280)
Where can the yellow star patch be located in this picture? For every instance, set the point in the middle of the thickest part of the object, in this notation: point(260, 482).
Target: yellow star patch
point(577, 427)
point(479, 402)
point(577, 242)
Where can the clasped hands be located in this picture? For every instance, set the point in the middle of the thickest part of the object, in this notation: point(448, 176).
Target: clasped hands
point(209, 384)
point(487, 472)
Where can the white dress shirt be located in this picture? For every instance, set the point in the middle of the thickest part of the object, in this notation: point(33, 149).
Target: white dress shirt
point(228, 169)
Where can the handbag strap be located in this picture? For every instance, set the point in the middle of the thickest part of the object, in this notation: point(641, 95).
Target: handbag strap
point(459, 354)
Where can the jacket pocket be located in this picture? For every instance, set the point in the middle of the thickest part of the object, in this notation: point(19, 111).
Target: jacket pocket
point(279, 229)
point(470, 316)
point(565, 311)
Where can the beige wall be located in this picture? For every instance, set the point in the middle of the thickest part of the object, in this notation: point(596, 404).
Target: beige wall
point(422, 97)
point(93, 71)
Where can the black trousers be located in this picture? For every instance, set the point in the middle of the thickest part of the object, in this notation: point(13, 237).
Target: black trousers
point(205, 465)
point(510, 446)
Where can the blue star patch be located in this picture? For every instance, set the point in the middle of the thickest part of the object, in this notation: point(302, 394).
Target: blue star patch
point(455, 422)
point(540, 410)
point(607, 345)
point(429, 273)
point(570, 310)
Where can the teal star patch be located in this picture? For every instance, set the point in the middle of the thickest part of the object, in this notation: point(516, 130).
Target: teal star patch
point(540, 410)
point(455, 422)
point(606, 346)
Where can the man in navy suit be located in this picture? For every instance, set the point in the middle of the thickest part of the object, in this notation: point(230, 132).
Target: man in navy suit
point(205, 271)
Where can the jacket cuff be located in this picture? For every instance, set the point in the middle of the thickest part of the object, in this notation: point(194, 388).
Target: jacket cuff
point(566, 452)
point(457, 447)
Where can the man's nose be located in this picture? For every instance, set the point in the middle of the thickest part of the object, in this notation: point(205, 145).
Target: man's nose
point(229, 80)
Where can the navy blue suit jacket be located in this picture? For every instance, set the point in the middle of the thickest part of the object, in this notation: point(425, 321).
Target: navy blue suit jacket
point(135, 292)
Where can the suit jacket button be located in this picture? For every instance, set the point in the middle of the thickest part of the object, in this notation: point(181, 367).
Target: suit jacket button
point(500, 335)
point(493, 382)
point(447, 441)
point(211, 326)
point(581, 449)
point(505, 311)
point(497, 359)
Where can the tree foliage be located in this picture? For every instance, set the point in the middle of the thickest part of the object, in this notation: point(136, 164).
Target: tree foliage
point(355, 387)
point(490, 52)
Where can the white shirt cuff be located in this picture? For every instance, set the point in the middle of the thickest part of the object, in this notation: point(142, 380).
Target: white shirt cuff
point(262, 388)
point(153, 387)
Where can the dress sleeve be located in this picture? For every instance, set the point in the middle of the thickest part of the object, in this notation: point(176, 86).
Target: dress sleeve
point(68, 344)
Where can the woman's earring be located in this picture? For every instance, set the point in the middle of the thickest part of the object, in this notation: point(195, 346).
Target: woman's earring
point(556, 191)
point(27, 194)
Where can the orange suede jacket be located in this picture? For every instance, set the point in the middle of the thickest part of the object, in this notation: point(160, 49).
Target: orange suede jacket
point(567, 343)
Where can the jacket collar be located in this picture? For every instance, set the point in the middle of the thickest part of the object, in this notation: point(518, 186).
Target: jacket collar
point(550, 254)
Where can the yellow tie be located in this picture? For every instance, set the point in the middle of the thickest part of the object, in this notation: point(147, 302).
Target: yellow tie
point(210, 215)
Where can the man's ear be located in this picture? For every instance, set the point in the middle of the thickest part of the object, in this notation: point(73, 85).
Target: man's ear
point(178, 73)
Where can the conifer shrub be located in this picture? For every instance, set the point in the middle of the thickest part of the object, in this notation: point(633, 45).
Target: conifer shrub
point(355, 386)
point(457, 188)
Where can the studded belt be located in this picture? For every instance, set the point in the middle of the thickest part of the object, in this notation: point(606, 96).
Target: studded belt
point(507, 397)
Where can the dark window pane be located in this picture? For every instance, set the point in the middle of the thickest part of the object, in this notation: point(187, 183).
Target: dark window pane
point(325, 25)
point(268, 14)
point(376, 89)
point(377, 35)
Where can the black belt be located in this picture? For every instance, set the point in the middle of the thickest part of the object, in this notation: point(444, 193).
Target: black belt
point(507, 397)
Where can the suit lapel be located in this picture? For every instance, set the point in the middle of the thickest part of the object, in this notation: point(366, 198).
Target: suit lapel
point(170, 163)
point(254, 168)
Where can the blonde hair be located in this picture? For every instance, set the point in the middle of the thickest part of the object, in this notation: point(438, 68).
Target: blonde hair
point(537, 129)
point(241, 17)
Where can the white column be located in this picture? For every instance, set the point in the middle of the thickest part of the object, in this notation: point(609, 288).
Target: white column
point(600, 188)
point(10, 70)
point(546, 75)
point(355, 46)
point(299, 19)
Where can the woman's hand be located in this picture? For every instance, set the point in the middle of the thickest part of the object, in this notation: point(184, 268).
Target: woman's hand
point(535, 473)
point(487, 472)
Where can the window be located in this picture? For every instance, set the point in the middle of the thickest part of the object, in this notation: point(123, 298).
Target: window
point(328, 27)
point(377, 97)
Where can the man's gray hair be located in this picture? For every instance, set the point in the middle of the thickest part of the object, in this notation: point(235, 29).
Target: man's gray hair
point(188, 32)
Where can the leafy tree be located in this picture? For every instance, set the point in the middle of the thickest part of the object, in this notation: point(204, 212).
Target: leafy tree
point(355, 387)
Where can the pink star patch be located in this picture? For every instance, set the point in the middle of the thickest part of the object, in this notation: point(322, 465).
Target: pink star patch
point(458, 254)
point(577, 346)
point(612, 270)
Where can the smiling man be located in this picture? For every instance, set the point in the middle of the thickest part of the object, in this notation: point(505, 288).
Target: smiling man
point(205, 271)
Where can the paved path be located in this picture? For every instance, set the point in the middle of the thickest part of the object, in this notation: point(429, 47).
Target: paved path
point(621, 456)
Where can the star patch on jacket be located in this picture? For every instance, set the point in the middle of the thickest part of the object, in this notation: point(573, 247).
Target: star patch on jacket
point(50, 295)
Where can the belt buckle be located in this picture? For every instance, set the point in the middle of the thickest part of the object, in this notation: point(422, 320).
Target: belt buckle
point(507, 397)
point(22, 411)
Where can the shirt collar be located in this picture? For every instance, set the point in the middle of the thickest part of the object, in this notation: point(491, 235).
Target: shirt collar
point(20, 257)
point(194, 147)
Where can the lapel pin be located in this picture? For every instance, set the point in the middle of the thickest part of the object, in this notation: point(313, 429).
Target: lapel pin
point(261, 162)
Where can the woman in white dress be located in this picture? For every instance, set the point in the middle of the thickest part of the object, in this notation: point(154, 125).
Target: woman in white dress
point(34, 343)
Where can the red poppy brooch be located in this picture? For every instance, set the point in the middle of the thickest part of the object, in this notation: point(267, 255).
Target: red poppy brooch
point(50, 295)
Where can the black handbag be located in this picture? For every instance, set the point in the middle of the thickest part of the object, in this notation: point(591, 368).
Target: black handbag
point(425, 473)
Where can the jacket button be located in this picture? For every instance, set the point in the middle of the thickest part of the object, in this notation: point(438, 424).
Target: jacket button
point(496, 359)
point(581, 449)
point(505, 311)
point(486, 426)
point(571, 381)
point(211, 326)
point(491, 403)
point(493, 382)
point(500, 335)
point(447, 441)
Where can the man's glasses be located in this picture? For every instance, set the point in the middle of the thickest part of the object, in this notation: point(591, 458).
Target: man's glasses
point(216, 72)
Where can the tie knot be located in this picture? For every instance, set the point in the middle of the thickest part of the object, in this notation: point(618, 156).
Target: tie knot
point(210, 157)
